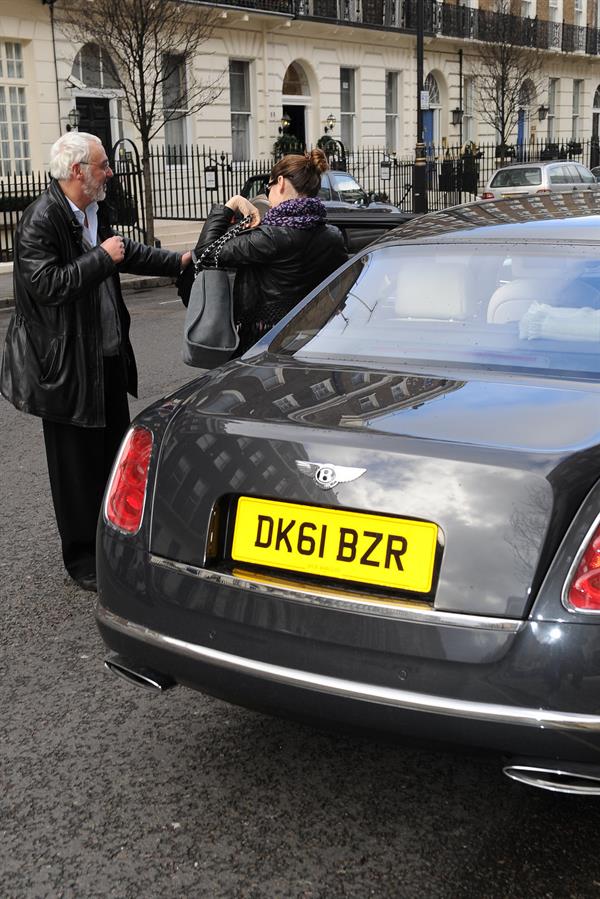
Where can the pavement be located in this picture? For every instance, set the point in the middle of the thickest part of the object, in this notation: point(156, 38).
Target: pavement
point(128, 282)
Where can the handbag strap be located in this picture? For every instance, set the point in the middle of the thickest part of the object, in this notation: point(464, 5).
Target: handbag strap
point(214, 249)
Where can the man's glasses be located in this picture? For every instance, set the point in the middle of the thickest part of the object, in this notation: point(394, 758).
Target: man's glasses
point(99, 165)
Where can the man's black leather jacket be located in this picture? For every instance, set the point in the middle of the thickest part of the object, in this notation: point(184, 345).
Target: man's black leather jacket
point(52, 363)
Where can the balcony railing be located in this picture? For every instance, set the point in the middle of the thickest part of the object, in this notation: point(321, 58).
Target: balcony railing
point(446, 19)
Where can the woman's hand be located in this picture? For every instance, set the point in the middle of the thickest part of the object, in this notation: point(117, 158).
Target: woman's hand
point(244, 207)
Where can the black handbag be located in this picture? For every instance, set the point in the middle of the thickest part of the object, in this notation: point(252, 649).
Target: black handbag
point(210, 337)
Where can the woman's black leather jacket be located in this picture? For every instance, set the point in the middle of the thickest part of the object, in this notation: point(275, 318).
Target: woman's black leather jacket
point(52, 363)
point(275, 266)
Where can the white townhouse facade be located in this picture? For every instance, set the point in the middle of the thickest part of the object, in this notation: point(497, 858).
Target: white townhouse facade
point(349, 63)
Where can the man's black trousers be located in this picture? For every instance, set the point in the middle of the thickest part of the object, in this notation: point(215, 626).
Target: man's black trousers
point(79, 463)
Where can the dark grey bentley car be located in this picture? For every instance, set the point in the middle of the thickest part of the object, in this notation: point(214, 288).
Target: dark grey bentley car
point(387, 514)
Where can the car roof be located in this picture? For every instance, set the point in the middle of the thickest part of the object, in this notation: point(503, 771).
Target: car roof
point(260, 175)
point(552, 217)
point(538, 162)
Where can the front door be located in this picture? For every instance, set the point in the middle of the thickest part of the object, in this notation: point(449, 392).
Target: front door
point(521, 128)
point(428, 135)
point(297, 126)
point(95, 118)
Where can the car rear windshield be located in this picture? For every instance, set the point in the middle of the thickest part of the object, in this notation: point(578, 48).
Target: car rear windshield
point(528, 176)
point(348, 189)
point(490, 306)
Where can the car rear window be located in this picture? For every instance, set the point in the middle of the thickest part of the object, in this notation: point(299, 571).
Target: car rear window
point(490, 306)
point(525, 177)
point(348, 189)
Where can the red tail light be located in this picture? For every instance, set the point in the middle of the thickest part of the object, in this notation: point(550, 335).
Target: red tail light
point(584, 589)
point(486, 195)
point(126, 494)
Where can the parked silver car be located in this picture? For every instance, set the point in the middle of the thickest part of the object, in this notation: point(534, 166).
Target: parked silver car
point(538, 177)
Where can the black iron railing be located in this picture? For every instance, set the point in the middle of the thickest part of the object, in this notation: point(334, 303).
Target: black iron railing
point(447, 19)
point(16, 193)
point(124, 199)
point(188, 180)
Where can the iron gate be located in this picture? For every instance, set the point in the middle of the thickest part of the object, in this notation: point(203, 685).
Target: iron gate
point(125, 191)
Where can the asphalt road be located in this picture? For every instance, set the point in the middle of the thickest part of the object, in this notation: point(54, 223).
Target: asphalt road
point(107, 791)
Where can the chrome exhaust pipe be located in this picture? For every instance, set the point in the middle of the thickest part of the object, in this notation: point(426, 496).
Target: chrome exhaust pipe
point(577, 778)
point(138, 675)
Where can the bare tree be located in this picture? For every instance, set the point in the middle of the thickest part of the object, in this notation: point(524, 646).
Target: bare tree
point(151, 42)
point(507, 73)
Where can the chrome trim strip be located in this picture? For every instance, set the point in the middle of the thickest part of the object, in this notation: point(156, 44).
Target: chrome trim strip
point(331, 599)
point(355, 690)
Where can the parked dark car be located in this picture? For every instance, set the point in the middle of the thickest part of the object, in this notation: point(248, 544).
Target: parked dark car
point(386, 514)
point(342, 194)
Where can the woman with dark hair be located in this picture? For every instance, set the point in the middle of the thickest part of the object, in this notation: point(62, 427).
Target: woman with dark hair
point(281, 259)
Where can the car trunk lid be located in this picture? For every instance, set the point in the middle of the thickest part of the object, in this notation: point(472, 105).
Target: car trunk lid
point(480, 460)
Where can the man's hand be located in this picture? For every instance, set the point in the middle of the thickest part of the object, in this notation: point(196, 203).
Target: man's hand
point(186, 258)
point(115, 247)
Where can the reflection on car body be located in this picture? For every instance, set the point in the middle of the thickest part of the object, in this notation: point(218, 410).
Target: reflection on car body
point(454, 364)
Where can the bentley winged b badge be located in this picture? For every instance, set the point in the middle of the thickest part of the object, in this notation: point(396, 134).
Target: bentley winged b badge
point(326, 475)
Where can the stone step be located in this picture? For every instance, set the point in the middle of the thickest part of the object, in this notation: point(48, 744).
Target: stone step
point(177, 235)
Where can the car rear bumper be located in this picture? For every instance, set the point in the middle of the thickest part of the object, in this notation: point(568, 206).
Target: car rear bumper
point(341, 686)
point(349, 689)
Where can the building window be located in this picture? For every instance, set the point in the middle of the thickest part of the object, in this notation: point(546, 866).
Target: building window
point(468, 106)
point(580, 17)
point(391, 111)
point(528, 9)
point(94, 67)
point(347, 107)
point(14, 132)
point(295, 82)
point(239, 101)
point(577, 84)
point(555, 27)
point(552, 95)
point(174, 99)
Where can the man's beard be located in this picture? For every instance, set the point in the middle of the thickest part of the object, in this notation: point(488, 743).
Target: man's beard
point(96, 192)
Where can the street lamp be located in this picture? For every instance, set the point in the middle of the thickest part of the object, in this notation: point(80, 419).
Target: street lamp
point(285, 122)
point(543, 112)
point(330, 122)
point(457, 116)
point(74, 118)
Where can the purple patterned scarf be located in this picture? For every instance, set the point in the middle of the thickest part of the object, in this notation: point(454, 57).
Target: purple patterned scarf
point(303, 212)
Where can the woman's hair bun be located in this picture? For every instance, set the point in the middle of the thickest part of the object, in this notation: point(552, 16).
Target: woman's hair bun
point(318, 159)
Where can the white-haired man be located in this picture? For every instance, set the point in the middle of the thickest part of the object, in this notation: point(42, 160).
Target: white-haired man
point(67, 356)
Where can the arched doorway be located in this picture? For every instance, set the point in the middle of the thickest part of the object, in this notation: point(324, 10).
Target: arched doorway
point(431, 116)
point(295, 102)
point(95, 70)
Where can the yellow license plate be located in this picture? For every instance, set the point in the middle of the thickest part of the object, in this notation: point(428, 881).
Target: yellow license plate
point(332, 543)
